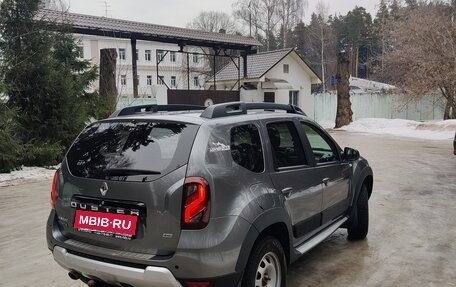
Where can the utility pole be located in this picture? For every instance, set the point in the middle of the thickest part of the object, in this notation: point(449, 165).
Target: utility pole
point(250, 17)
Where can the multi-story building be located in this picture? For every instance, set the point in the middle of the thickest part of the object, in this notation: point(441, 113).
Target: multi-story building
point(160, 66)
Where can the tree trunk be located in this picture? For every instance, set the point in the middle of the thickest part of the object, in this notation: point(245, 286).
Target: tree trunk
point(450, 108)
point(344, 111)
point(357, 62)
point(108, 87)
point(323, 75)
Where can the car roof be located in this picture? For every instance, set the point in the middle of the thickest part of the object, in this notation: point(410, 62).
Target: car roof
point(195, 118)
point(226, 113)
point(186, 117)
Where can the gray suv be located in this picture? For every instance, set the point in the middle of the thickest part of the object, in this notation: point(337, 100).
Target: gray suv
point(227, 195)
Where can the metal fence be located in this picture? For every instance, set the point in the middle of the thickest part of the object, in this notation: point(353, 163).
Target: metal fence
point(364, 105)
point(379, 105)
point(130, 101)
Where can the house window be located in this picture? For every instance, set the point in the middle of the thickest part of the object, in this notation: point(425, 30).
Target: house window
point(286, 68)
point(160, 55)
point(195, 58)
point(293, 98)
point(172, 57)
point(173, 81)
point(137, 55)
point(123, 80)
point(149, 80)
point(122, 54)
point(161, 80)
point(148, 55)
point(196, 82)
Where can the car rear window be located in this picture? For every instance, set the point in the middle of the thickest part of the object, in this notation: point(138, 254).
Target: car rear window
point(130, 150)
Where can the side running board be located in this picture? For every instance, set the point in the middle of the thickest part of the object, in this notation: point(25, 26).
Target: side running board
point(314, 241)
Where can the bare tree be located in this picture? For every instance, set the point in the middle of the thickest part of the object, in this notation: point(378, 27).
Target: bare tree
point(248, 12)
point(58, 5)
point(290, 13)
point(323, 13)
point(422, 55)
point(212, 21)
point(260, 15)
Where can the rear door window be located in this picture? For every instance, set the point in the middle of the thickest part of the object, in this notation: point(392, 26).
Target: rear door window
point(130, 150)
point(246, 148)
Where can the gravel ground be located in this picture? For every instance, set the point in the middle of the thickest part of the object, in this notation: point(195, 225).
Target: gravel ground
point(410, 243)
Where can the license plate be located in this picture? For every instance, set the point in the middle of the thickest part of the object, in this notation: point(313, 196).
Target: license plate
point(107, 224)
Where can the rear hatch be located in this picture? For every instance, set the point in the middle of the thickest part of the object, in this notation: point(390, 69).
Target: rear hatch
point(122, 185)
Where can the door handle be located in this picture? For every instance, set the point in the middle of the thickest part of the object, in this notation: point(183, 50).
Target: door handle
point(325, 181)
point(287, 190)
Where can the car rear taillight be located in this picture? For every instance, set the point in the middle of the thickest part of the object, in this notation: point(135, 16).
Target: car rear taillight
point(54, 188)
point(195, 203)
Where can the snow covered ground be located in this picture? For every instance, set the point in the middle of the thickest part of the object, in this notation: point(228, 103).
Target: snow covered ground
point(26, 174)
point(431, 130)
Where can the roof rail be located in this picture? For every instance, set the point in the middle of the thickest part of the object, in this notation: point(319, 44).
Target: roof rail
point(154, 109)
point(241, 108)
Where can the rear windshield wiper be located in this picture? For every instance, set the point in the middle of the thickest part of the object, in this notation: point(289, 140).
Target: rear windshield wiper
point(127, 172)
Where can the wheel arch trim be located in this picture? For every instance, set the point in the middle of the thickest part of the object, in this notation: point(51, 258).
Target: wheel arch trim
point(268, 219)
point(365, 174)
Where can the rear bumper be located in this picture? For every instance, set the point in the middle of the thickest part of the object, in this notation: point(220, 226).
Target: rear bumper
point(194, 260)
point(115, 274)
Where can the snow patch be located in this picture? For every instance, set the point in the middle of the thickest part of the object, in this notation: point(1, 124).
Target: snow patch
point(27, 174)
point(432, 130)
point(327, 125)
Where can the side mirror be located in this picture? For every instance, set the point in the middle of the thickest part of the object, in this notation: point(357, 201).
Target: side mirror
point(351, 154)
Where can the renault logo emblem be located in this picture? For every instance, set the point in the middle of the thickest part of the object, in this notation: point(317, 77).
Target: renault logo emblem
point(104, 188)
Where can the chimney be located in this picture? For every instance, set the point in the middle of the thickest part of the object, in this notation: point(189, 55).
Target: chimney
point(45, 4)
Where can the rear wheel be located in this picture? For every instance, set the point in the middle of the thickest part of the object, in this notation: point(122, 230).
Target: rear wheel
point(266, 266)
point(358, 225)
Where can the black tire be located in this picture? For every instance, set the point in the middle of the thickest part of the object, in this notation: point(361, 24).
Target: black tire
point(264, 252)
point(358, 225)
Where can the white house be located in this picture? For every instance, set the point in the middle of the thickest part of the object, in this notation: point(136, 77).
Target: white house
point(280, 76)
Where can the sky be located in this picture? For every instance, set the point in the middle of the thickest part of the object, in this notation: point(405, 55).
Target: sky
point(180, 12)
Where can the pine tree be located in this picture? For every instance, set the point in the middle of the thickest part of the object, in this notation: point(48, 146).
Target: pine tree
point(354, 34)
point(411, 3)
point(380, 35)
point(10, 146)
point(44, 79)
point(395, 8)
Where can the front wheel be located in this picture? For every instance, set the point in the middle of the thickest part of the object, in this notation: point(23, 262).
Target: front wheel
point(358, 225)
point(266, 266)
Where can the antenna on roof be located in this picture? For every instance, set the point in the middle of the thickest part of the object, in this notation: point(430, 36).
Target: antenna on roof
point(106, 6)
